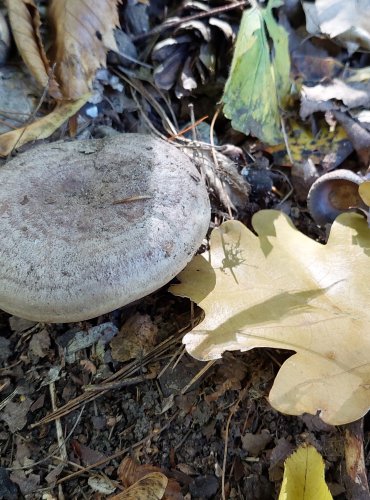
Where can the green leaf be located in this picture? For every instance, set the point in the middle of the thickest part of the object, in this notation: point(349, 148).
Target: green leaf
point(259, 76)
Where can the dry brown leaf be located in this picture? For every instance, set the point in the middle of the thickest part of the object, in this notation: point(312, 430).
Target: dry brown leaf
point(347, 21)
point(138, 335)
point(25, 22)
point(150, 487)
point(129, 472)
point(83, 31)
point(40, 129)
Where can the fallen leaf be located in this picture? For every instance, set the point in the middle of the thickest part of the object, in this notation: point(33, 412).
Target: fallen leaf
point(328, 148)
point(129, 472)
point(345, 20)
point(254, 444)
point(40, 129)
point(5, 41)
point(357, 134)
point(277, 458)
point(28, 483)
point(82, 35)
point(150, 487)
point(328, 96)
point(304, 476)
point(364, 192)
point(25, 22)
point(88, 366)
point(259, 75)
point(40, 344)
point(281, 289)
point(101, 484)
point(138, 335)
point(86, 454)
point(15, 414)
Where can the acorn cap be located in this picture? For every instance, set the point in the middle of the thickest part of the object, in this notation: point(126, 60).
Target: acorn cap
point(332, 194)
point(89, 226)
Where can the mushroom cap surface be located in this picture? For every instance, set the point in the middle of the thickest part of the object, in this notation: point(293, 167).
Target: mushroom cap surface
point(89, 226)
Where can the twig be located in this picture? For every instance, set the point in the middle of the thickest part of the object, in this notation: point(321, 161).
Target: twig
point(286, 141)
point(52, 455)
point(9, 398)
point(119, 453)
point(184, 130)
point(173, 23)
point(59, 431)
point(139, 87)
point(174, 356)
point(118, 385)
point(127, 371)
point(357, 487)
point(131, 199)
point(233, 410)
point(215, 160)
point(61, 442)
point(201, 372)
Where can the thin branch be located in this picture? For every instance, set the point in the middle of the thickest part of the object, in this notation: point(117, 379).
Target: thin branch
point(173, 23)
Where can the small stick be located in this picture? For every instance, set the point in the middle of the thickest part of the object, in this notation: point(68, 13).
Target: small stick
point(11, 396)
point(212, 142)
point(184, 130)
point(196, 377)
point(61, 442)
point(119, 384)
point(233, 410)
point(357, 487)
point(285, 135)
point(131, 199)
point(53, 454)
point(177, 22)
point(120, 453)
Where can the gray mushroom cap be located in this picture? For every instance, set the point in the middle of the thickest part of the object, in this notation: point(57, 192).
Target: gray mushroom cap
point(89, 226)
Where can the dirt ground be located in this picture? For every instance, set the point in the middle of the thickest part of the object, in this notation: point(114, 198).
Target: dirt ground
point(159, 410)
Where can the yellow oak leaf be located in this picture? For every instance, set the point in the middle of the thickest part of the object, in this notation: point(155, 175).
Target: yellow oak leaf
point(283, 290)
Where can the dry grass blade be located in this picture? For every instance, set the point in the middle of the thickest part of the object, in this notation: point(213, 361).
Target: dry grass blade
point(25, 23)
point(83, 31)
point(125, 371)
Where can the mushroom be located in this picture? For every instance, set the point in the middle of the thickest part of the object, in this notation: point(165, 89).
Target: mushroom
point(334, 193)
point(89, 226)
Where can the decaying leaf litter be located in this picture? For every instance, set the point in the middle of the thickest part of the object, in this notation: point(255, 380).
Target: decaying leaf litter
point(207, 428)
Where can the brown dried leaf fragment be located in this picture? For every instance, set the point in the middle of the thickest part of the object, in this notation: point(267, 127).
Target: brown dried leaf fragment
point(150, 487)
point(40, 129)
point(130, 473)
point(25, 23)
point(83, 32)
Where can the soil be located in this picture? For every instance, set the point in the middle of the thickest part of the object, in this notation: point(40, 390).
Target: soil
point(145, 414)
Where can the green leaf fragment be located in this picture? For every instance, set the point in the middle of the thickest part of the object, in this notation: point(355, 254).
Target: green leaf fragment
point(259, 76)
